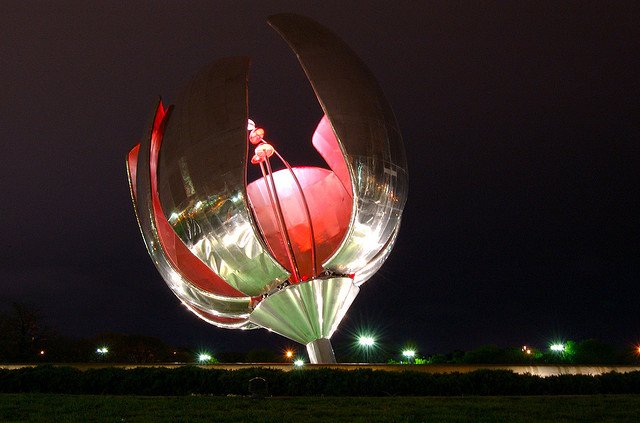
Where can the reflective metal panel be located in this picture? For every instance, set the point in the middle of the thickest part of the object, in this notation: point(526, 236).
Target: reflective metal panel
point(141, 164)
point(376, 262)
point(367, 134)
point(320, 351)
point(201, 179)
point(221, 322)
point(307, 311)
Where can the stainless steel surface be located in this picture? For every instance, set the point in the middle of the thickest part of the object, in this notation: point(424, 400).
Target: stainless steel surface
point(367, 133)
point(201, 179)
point(227, 307)
point(321, 351)
point(376, 262)
point(192, 203)
point(307, 311)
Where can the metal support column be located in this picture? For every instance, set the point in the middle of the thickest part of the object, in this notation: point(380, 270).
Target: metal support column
point(321, 352)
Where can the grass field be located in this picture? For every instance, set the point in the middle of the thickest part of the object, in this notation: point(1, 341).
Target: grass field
point(87, 408)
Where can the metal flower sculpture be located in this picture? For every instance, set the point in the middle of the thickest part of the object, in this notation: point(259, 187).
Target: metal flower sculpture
point(289, 251)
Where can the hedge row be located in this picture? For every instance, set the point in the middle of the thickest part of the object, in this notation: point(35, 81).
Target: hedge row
point(314, 382)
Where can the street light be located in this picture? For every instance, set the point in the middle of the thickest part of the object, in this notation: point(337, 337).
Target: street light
point(409, 354)
point(298, 362)
point(204, 358)
point(367, 344)
point(366, 341)
point(557, 347)
point(102, 350)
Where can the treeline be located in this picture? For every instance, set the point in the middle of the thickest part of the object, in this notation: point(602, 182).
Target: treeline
point(590, 351)
point(24, 339)
point(189, 380)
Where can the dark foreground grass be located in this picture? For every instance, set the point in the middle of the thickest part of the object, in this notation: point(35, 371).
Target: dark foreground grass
point(89, 408)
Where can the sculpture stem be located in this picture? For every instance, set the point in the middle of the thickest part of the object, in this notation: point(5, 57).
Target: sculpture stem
point(321, 352)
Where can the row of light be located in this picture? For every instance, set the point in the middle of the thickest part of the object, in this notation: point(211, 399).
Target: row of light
point(364, 341)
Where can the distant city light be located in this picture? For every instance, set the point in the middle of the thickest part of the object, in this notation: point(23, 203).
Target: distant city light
point(527, 350)
point(557, 347)
point(298, 362)
point(409, 353)
point(204, 357)
point(366, 341)
point(102, 350)
point(42, 352)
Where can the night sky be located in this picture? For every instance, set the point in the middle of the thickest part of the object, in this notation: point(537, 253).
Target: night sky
point(520, 122)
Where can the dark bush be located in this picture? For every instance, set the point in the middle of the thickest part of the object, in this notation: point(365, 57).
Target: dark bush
point(42, 379)
point(189, 380)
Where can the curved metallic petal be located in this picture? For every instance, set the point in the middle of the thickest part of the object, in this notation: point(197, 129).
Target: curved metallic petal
point(139, 166)
point(307, 311)
point(201, 179)
point(376, 263)
point(221, 322)
point(367, 135)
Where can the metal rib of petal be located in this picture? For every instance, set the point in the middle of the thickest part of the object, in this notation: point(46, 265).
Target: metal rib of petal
point(202, 178)
point(307, 311)
point(366, 132)
point(142, 195)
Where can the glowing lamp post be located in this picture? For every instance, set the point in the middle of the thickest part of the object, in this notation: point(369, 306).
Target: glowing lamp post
point(558, 348)
point(409, 355)
point(204, 358)
point(367, 344)
point(289, 251)
point(102, 353)
point(366, 341)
